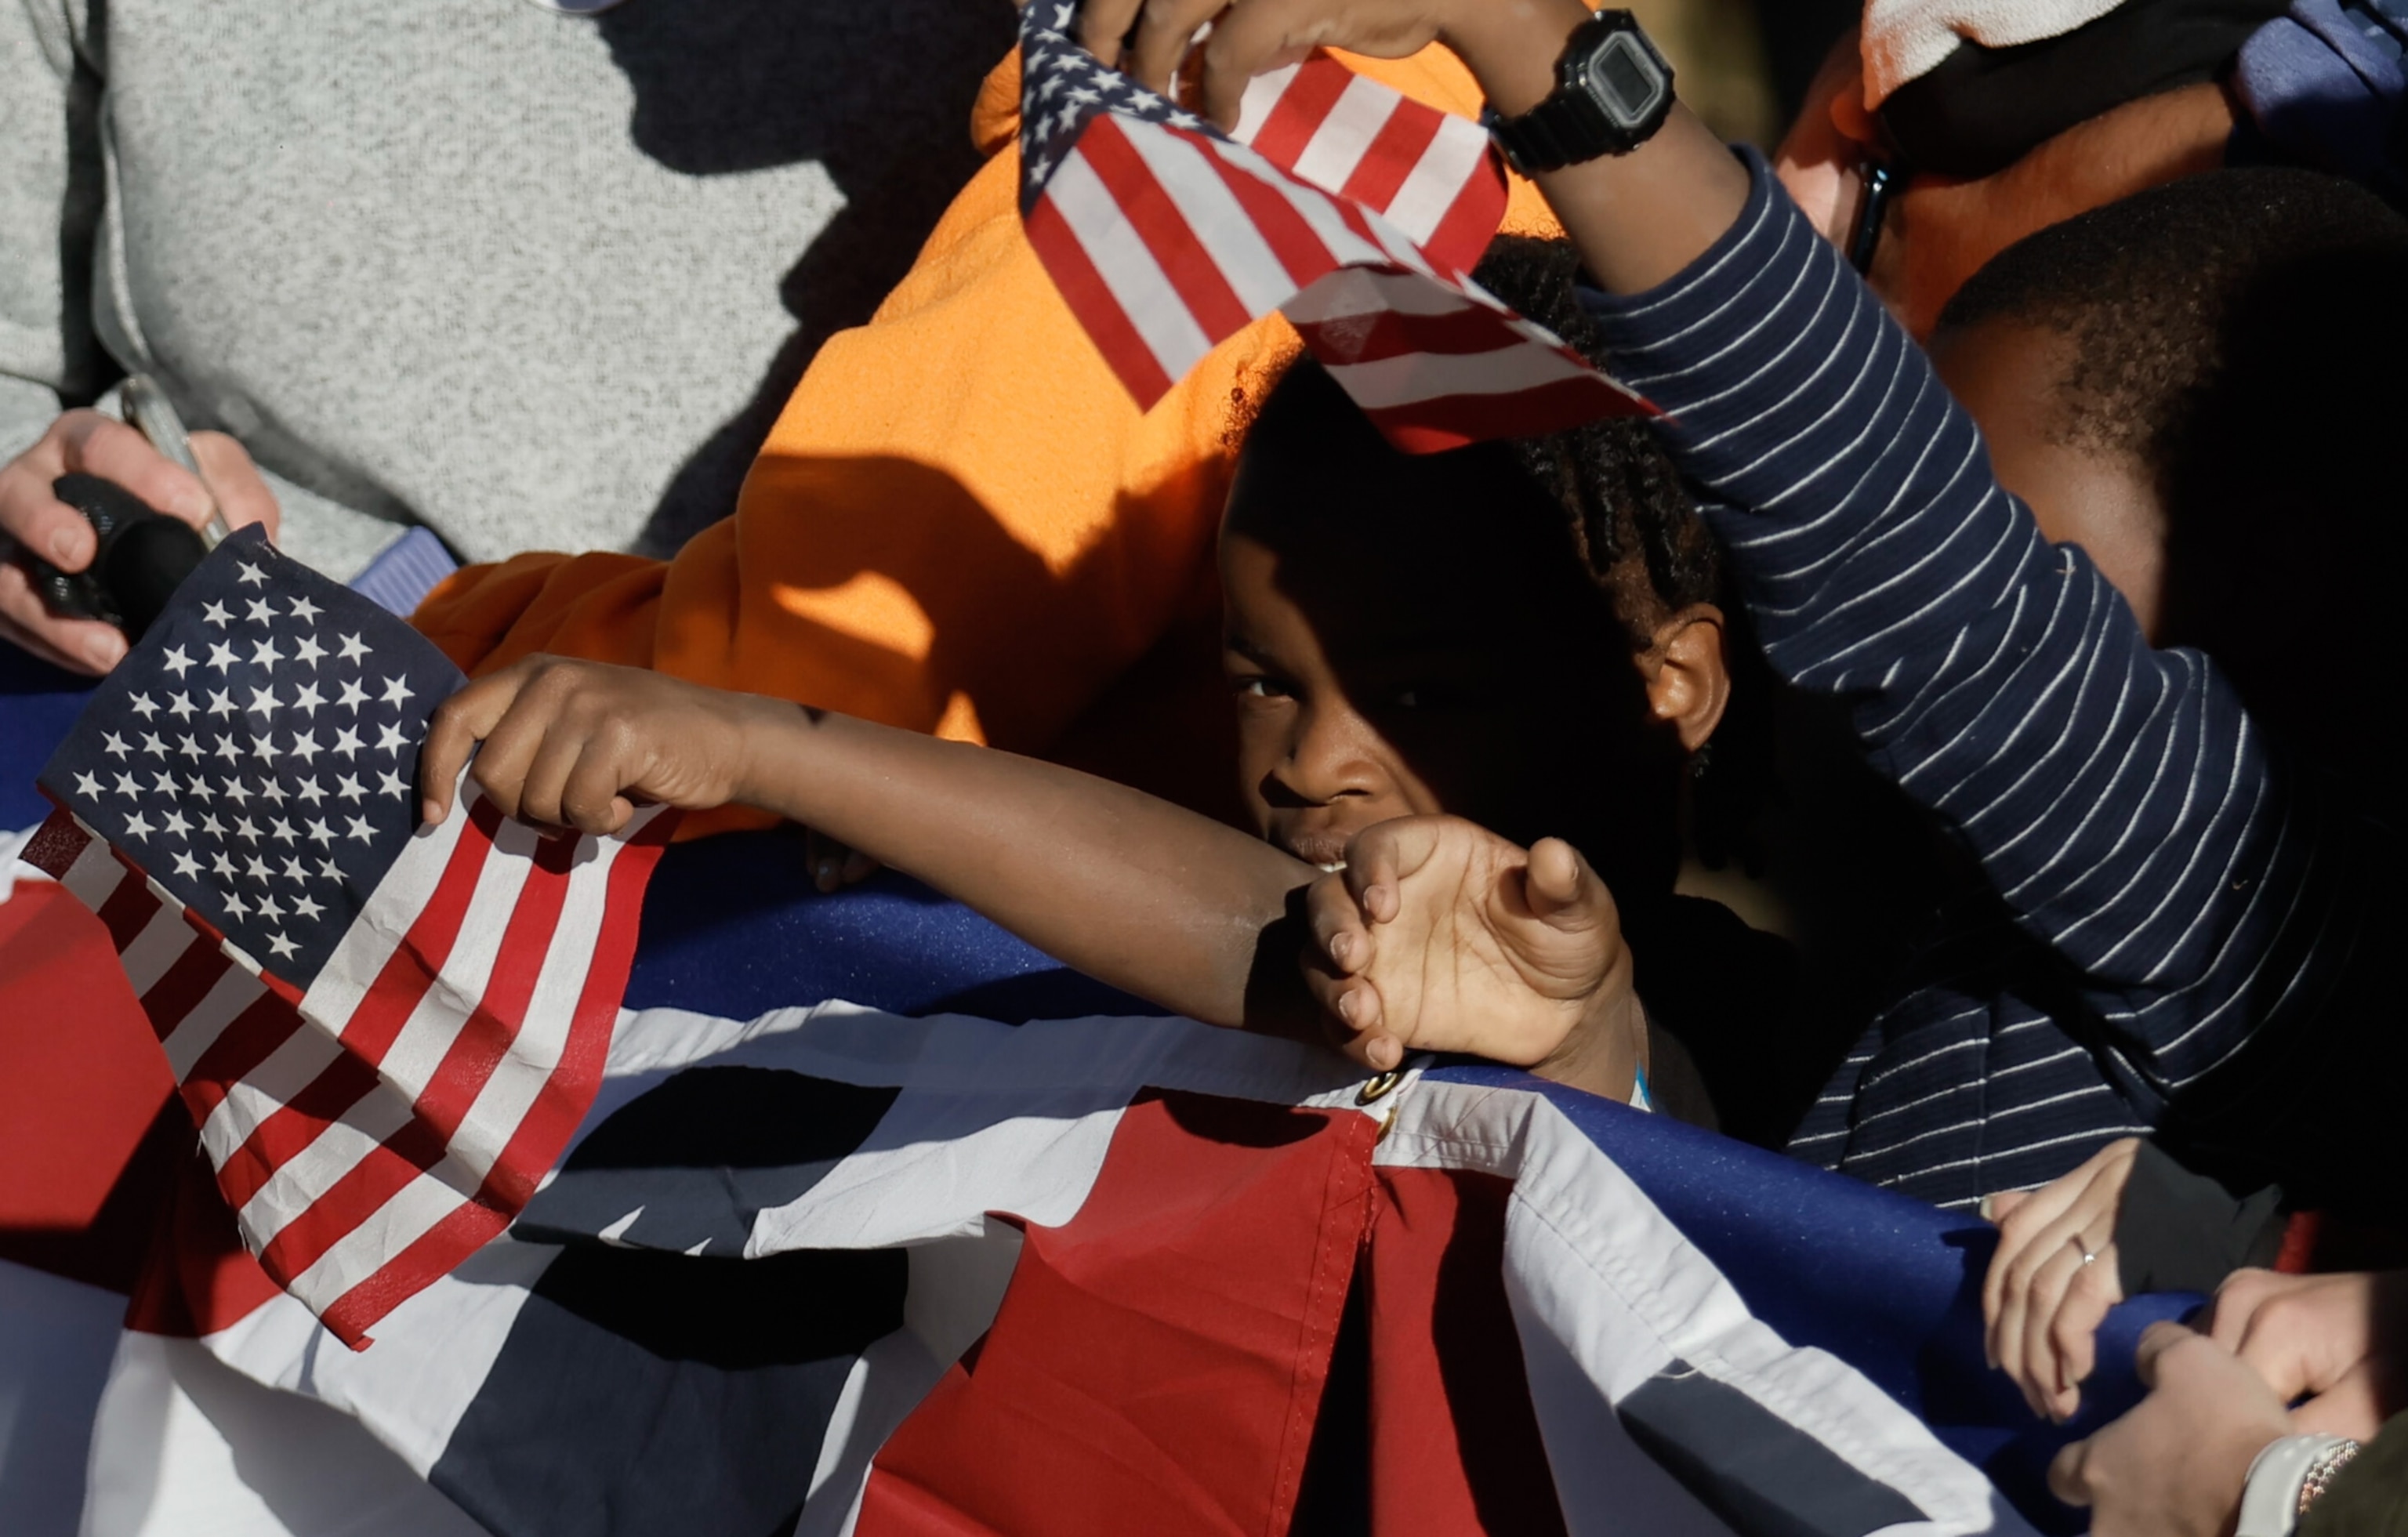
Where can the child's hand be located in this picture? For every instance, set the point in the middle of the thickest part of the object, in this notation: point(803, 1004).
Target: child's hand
point(1440, 936)
point(575, 744)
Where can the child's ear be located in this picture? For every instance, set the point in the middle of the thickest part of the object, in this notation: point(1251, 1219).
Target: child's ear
point(1687, 684)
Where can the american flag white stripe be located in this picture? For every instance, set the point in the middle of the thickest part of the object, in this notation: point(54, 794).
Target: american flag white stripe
point(1412, 378)
point(1253, 271)
point(368, 1248)
point(233, 991)
point(1337, 148)
point(339, 1147)
point(1166, 237)
point(361, 955)
point(1138, 285)
point(162, 942)
point(410, 1063)
point(501, 1105)
point(95, 873)
point(1433, 190)
point(432, 998)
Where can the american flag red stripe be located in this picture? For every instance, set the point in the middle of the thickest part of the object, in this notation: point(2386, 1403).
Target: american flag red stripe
point(1351, 207)
point(374, 1132)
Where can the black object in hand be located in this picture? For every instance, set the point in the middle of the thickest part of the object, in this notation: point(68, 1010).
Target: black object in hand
point(143, 557)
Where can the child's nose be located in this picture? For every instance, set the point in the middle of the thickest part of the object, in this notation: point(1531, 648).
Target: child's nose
point(1331, 756)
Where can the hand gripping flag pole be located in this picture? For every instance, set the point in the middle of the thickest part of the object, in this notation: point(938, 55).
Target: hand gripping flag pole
point(1352, 209)
point(385, 1032)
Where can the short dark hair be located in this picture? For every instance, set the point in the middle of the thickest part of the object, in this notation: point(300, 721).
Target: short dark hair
point(2243, 336)
point(1611, 477)
point(1617, 490)
point(2149, 290)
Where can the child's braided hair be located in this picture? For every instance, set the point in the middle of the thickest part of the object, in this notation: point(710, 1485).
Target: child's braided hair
point(1610, 476)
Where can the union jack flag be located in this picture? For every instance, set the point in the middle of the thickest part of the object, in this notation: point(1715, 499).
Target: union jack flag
point(1352, 208)
point(385, 1032)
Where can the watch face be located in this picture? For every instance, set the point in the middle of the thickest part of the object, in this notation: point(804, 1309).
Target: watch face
point(1624, 79)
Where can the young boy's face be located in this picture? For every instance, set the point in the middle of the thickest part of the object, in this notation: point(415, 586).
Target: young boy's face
point(1399, 644)
point(2009, 380)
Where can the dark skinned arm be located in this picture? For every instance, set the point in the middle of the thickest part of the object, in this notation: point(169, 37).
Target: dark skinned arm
point(1151, 897)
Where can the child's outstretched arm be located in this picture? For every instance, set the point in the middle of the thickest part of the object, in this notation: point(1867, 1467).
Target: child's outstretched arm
point(1143, 894)
point(1440, 936)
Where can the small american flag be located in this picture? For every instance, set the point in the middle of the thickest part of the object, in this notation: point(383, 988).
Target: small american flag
point(385, 1032)
point(1352, 208)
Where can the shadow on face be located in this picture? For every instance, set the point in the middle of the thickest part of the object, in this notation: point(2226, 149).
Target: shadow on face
point(1407, 636)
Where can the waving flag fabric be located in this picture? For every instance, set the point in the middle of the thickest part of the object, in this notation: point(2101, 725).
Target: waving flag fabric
point(385, 1034)
point(1355, 212)
point(888, 1267)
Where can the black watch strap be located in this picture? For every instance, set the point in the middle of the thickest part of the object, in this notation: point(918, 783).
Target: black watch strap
point(1613, 91)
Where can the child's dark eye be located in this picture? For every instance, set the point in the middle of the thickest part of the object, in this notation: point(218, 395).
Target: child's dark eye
point(1259, 687)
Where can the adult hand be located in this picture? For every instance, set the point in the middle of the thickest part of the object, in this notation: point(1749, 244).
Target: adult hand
point(2043, 1299)
point(2176, 1465)
point(2332, 1339)
point(1151, 39)
point(36, 521)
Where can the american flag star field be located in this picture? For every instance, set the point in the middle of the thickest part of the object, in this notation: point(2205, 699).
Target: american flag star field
point(257, 753)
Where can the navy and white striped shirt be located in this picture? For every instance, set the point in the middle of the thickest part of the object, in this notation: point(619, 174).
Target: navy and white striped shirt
point(2168, 898)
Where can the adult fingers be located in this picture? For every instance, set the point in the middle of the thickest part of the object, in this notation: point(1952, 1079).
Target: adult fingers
point(1166, 30)
point(2148, 1357)
point(1104, 25)
point(858, 867)
point(100, 445)
point(2027, 1239)
point(242, 494)
point(31, 515)
point(79, 645)
point(1247, 41)
point(2299, 1333)
point(1998, 1203)
point(2068, 1473)
point(2353, 1407)
point(2031, 1303)
point(2073, 1334)
point(1250, 40)
point(460, 722)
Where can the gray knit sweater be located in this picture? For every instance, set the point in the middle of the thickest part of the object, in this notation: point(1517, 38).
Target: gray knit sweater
point(536, 281)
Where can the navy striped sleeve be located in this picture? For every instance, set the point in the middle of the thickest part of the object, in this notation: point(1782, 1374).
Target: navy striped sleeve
point(2118, 797)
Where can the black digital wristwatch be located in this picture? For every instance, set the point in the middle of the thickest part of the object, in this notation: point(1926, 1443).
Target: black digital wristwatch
point(1613, 91)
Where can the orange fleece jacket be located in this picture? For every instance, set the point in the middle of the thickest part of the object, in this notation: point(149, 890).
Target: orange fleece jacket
point(961, 523)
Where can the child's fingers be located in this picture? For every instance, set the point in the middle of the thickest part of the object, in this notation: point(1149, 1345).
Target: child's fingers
point(1380, 856)
point(1336, 920)
point(543, 785)
point(508, 753)
point(459, 724)
point(1552, 882)
point(591, 801)
point(1352, 1005)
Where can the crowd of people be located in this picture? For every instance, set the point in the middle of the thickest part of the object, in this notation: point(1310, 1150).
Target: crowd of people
point(2024, 442)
